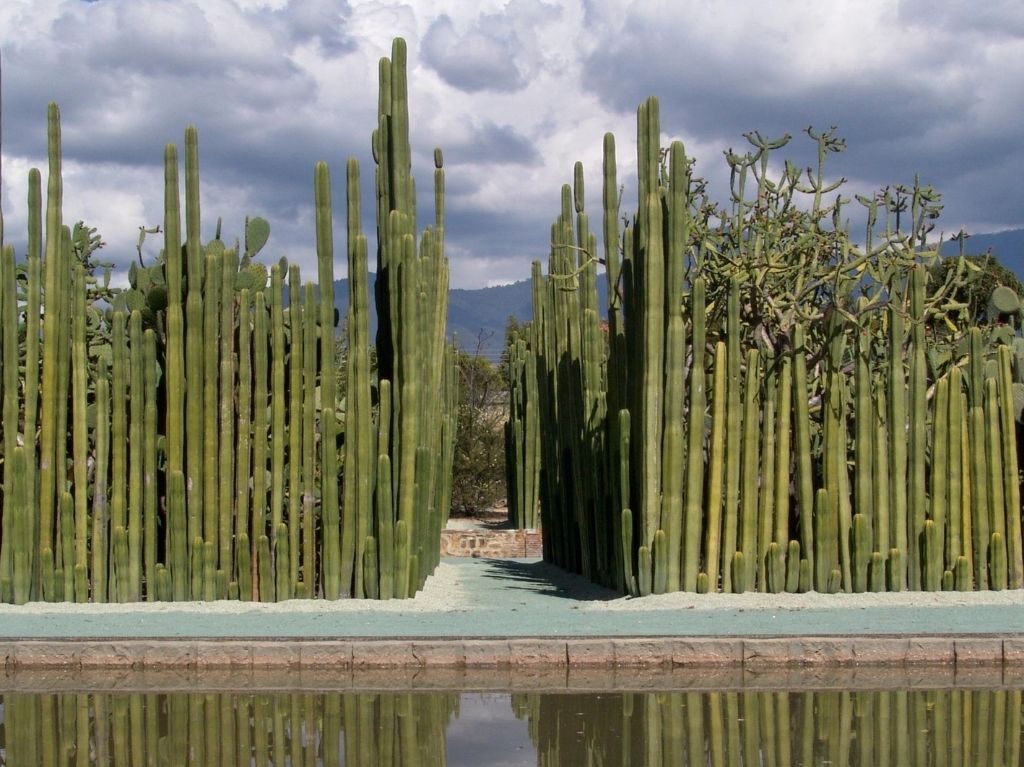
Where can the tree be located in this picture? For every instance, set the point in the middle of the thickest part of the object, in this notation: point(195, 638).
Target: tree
point(984, 274)
point(478, 480)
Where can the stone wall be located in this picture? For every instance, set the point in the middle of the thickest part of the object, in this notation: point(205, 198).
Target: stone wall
point(491, 544)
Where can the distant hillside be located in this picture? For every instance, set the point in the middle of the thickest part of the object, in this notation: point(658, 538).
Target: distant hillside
point(1007, 246)
point(476, 317)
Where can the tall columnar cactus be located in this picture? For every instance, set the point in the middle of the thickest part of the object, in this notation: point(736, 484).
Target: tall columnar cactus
point(812, 430)
point(9, 359)
point(54, 336)
point(523, 435)
point(411, 291)
point(202, 402)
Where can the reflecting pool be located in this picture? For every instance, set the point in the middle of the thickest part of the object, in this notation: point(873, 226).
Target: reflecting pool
point(766, 728)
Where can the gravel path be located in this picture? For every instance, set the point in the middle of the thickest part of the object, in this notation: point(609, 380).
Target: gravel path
point(478, 597)
point(458, 585)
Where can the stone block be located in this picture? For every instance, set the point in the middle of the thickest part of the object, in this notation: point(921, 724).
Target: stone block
point(7, 650)
point(47, 654)
point(643, 652)
point(705, 652)
point(486, 652)
point(977, 652)
point(798, 651)
point(160, 655)
point(537, 652)
point(1013, 651)
point(325, 655)
point(438, 654)
point(881, 651)
point(212, 655)
point(101, 654)
point(382, 654)
point(590, 652)
point(270, 655)
point(930, 650)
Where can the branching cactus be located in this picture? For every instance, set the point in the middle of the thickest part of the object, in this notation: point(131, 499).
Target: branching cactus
point(804, 413)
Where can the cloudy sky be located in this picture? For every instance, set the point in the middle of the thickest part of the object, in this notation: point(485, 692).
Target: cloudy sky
point(515, 91)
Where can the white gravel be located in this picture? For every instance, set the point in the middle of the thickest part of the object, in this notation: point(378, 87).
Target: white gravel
point(813, 600)
point(447, 590)
point(597, 598)
point(442, 591)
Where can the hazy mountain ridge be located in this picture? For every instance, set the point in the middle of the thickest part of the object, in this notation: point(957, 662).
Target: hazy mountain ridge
point(1007, 246)
point(477, 317)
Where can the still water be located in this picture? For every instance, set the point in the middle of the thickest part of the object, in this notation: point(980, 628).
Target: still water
point(929, 727)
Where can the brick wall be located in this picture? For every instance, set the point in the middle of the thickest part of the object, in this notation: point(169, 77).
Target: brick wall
point(491, 544)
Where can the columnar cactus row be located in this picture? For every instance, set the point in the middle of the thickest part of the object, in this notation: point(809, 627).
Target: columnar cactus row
point(226, 728)
point(768, 411)
point(192, 443)
point(522, 437)
point(775, 727)
point(415, 443)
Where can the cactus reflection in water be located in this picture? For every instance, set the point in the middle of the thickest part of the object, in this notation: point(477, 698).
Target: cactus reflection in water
point(724, 729)
point(739, 729)
point(397, 730)
point(186, 439)
point(773, 407)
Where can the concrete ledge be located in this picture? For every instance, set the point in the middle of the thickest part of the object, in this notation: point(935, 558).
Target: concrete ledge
point(589, 653)
point(704, 653)
point(507, 678)
point(322, 655)
point(755, 656)
point(978, 652)
point(801, 651)
point(487, 653)
point(544, 652)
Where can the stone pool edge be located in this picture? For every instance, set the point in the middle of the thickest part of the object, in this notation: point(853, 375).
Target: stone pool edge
point(752, 653)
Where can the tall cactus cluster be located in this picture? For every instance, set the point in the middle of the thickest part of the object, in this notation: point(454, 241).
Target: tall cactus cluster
point(522, 437)
point(769, 407)
point(779, 727)
point(394, 729)
point(186, 440)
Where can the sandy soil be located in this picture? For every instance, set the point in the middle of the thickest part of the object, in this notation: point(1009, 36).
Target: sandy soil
point(598, 598)
point(442, 591)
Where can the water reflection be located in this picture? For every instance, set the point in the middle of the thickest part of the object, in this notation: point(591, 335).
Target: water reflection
point(927, 727)
point(934, 727)
point(225, 729)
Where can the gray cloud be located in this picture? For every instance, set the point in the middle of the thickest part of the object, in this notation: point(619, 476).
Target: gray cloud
point(322, 21)
point(493, 145)
point(994, 18)
point(484, 58)
point(929, 113)
point(513, 96)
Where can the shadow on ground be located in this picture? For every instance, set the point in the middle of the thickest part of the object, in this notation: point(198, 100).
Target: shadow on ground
point(547, 580)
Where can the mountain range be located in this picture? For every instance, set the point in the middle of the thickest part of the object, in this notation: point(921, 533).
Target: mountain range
point(477, 317)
